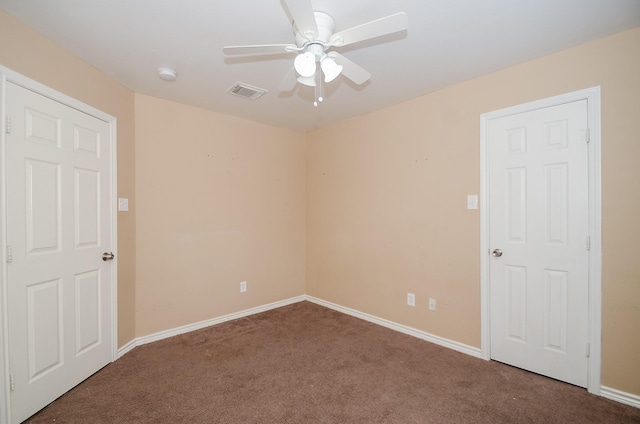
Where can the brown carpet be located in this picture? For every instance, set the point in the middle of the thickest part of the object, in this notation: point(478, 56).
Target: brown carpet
point(304, 363)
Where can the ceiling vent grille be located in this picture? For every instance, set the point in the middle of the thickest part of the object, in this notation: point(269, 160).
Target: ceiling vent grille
point(246, 91)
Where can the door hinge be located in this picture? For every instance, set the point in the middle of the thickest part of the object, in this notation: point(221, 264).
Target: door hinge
point(12, 382)
point(7, 127)
point(587, 135)
point(9, 254)
point(588, 242)
point(588, 349)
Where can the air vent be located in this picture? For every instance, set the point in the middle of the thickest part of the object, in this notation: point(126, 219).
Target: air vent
point(246, 91)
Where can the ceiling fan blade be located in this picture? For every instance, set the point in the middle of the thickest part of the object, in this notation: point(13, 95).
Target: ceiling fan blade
point(383, 26)
point(260, 49)
point(302, 13)
point(350, 70)
point(289, 81)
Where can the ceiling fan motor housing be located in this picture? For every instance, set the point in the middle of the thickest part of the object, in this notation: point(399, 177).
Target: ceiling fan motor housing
point(326, 25)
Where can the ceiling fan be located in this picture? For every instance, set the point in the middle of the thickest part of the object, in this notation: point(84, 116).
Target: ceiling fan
point(314, 41)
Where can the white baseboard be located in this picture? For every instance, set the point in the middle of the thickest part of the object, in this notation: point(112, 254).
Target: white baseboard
point(139, 341)
point(620, 396)
point(606, 392)
point(451, 344)
point(126, 348)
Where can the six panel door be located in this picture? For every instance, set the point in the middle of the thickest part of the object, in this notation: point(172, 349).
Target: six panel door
point(58, 226)
point(538, 218)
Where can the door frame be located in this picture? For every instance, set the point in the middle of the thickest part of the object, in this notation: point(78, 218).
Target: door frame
point(7, 75)
point(592, 95)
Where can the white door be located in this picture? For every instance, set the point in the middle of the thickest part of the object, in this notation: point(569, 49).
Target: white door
point(538, 237)
point(58, 226)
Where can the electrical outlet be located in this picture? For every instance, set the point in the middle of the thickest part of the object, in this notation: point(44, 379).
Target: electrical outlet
point(243, 286)
point(411, 299)
point(432, 304)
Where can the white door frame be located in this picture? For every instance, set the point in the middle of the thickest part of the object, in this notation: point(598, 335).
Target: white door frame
point(7, 75)
point(592, 95)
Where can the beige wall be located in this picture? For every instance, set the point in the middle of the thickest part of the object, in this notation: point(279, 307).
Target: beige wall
point(25, 51)
point(386, 200)
point(220, 200)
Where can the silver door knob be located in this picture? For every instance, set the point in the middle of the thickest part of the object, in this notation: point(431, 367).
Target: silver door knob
point(496, 253)
point(107, 256)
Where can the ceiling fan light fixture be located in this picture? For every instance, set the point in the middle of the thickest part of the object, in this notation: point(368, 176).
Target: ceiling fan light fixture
point(310, 81)
point(305, 64)
point(330, 69)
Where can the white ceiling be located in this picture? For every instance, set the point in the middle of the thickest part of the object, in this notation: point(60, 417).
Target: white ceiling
point(448, 41)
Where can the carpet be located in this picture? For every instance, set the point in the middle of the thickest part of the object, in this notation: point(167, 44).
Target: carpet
point(305, 363)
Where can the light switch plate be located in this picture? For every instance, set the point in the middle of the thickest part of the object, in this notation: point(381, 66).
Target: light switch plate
point(472, 201)
point(123, 204)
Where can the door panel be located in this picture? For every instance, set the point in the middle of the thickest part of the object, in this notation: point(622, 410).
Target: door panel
point(45, 343)
point(42, 206)
point(88, 307)
point(58, 225)
point(87, 207)
point(538, 217)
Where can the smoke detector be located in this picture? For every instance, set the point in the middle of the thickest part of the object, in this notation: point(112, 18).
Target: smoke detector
point(167, 74)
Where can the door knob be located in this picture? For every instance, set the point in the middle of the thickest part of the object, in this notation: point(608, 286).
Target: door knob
point(107, 256)
point(496, 253)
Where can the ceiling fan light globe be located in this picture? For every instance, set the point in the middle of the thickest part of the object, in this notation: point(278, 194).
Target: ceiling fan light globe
point(330, 69)
point(310, 81)
point(305, 64)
